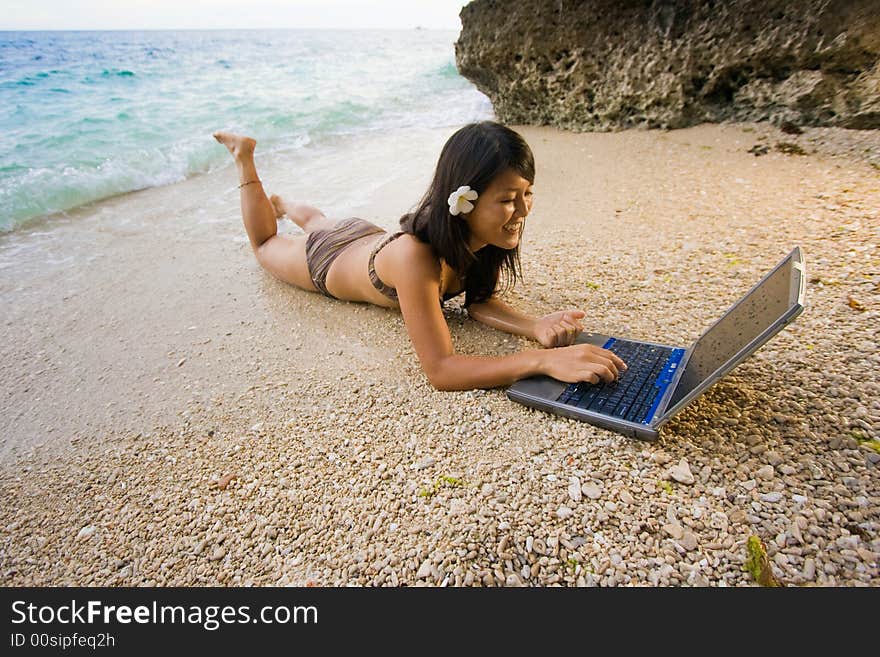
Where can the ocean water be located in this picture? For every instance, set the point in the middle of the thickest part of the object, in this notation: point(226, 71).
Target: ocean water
point(90, 115)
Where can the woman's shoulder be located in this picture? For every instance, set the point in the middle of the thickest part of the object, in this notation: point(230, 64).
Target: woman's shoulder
point(413, 256)
point(412, 245)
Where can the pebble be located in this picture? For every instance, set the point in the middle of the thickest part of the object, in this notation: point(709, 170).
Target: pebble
point(424, 462)
point(513, 580)
point(737, 516)
point(719, 520)
point(795, 532)
point(689, 541)
point(765, 472)
point(681, 472)
point(86, 532)
point(574, 489)
point(425, 570)
point(592, 490)
point(809, 570)
point(675, 531)
point(867, 556)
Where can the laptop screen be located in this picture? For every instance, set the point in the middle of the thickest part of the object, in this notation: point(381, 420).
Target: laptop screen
point(751, 316)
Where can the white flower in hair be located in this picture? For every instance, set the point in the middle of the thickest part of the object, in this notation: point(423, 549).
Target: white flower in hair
point(460, 200)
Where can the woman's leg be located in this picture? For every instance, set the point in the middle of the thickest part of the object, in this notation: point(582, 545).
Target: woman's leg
point(307, 217)
point(256, 210)
point(283, 256)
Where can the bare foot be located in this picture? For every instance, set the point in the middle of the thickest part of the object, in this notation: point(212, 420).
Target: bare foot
point(278, 205)
point(239, 145)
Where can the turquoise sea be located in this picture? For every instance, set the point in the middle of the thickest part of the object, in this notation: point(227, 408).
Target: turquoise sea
point(90, 115)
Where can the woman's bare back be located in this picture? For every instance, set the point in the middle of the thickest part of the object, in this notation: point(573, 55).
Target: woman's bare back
point(348, 277)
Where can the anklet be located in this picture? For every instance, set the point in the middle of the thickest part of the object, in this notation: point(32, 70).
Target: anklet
point(249, 182)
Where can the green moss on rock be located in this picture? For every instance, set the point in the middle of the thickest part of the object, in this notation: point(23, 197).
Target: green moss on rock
point(758, 565)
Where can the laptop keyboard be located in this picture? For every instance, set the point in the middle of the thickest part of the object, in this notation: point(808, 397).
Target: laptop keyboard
point(632, 396)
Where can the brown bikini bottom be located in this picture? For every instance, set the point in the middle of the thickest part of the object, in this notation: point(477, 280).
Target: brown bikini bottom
point(324, 246)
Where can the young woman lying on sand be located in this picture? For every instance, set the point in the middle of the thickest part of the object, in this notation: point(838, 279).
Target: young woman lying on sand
point(463, 235)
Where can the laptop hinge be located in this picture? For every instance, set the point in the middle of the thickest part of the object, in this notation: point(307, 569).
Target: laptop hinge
point(670, 390)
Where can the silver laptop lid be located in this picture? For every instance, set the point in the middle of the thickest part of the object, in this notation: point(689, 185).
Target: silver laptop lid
point(774, 302)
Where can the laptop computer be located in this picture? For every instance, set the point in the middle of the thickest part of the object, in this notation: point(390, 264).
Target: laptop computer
point(661, 379)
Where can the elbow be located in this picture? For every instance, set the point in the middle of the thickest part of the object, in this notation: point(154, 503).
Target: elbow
point(440, 376)
point(441, 383)
point(442, 386)
point(476, 312)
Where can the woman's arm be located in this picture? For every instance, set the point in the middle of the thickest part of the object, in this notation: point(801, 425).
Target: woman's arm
point(554, 330)
point(417, 279)
point(502, 316)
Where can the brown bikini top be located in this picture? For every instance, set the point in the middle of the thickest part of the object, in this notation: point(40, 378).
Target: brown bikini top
point(387, 290)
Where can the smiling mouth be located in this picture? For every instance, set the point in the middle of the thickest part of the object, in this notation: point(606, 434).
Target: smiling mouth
point(513, 228)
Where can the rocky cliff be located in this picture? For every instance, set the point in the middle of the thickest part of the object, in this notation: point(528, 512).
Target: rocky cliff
point(612, 64)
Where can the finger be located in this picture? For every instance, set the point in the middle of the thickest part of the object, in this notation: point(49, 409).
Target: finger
point(569, 325)
point(592, 377)
point(617, 360)
point(605, 364)
point(621, 364)
point(559, 334)
point(603, 372)
point(609, 364)
point(571, 332)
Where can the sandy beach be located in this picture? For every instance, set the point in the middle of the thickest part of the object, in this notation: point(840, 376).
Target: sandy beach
point(171, 415)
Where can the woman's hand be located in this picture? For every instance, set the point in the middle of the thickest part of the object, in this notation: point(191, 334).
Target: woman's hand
point(559, 329)
point(582, 362)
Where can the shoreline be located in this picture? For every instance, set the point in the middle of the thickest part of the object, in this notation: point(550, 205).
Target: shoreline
point(853, 145)
point(332, 447)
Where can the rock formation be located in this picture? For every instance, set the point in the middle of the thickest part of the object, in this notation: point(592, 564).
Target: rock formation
point(612, 64)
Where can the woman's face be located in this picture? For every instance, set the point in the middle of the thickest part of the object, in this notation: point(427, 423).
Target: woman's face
point(499, 212)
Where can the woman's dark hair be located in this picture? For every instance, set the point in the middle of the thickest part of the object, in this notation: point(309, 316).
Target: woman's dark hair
point(473, 156)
